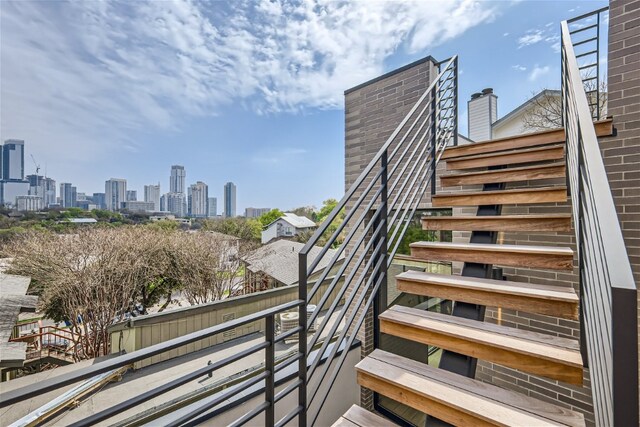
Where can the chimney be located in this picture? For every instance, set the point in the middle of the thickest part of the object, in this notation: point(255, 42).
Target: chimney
point(482, 112)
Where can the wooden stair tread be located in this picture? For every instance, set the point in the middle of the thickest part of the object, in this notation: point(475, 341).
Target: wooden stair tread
point(533, 352)
point(502, 197)
point(454, 398)
point(557, 301)
point(559, 293)
point(357, 416)
point(551, 250)
point(531, 223)
point(546, 257)
point(524, 173)
point(552, 136)
point(552, 152)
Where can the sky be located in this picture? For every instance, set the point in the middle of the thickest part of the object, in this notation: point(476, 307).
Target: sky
point(245, 91)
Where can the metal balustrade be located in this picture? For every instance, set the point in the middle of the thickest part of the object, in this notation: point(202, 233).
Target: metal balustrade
point(608, 293)
point(379, 207)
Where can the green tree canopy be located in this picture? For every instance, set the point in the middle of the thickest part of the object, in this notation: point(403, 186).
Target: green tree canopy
point(267, 218)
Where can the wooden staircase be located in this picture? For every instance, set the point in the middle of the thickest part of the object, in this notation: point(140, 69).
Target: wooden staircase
point(448, 396)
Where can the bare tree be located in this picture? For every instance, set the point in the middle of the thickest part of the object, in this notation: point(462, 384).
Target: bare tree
point(89, 278)
point(93, 278)
point(207, 266)
point(546, 110)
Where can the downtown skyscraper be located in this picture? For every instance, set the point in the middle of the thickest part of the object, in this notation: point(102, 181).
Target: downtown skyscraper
point(198, 199)
point(177, 180)
point(152, 195)
point(229, 200)
point(115, 191)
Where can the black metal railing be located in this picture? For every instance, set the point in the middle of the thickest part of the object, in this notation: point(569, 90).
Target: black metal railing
point(267, 376)
point(584, 31)
point(378, 208)
point(608, 293)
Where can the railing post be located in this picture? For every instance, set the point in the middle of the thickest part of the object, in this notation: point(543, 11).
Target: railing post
point(598, 66)
point(434, 136)
point(269, 366)
point(380, 301)
point(302, 339)
point(455, 102)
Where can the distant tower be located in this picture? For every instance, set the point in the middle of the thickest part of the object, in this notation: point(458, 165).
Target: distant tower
point(68, 195)
point(13, 160)
point(115, 191)
point(152, 194)
point(229, 200)
point(213, 207)
point(132, 196)
point(177, 180)
point(198, 199)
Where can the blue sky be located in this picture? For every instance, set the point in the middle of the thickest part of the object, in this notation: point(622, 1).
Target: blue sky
point(244, 91)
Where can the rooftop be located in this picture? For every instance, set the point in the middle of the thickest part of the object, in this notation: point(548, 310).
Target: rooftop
point(279, 260)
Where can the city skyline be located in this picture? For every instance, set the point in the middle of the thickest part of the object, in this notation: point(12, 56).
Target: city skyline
point(183, 93)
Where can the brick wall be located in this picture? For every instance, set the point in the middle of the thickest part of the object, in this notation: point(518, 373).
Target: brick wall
point(372, 112)
point(622, 152)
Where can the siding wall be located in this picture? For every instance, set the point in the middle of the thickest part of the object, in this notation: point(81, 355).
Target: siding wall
point(157, 328)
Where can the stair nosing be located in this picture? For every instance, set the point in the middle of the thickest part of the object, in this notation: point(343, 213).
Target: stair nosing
point(571, 357)
point(500, 192)
point(467, 386)
point(508, 287)
point(549, 147)
point(548, 250)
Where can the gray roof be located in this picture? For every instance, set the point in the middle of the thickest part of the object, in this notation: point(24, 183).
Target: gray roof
point(279, 260)
point(543, 93)
point(295, 220)
point(13, 301)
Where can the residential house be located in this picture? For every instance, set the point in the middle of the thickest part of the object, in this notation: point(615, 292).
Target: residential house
point(288, 225)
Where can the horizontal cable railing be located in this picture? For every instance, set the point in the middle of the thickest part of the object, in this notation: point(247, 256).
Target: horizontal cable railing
point(608, 293)
point(378, 208)
point(124, 360)
point(585, 31)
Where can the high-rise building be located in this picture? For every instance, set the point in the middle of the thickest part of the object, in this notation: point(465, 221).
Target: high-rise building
point(176, 204)
point(99, 200)
point(229, 200)
point(177, 180)
point(49, 195)
point(132, 195)
point(212, 207)
point(68, 195)
point(255, 212)
point(198, 199)
point(13, 160)
point(115, 191)
point(152, 195)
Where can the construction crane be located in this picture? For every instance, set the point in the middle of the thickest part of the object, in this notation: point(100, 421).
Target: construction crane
point(35, 163)
point(37, 178)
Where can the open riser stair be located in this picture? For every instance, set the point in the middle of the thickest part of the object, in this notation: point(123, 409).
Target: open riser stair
point(449, 393)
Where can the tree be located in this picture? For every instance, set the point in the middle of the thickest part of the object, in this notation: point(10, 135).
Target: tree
point(207, 266)
point(243, 228)
point(545, 111)
point(89, 278)
point(94, 277)
point(327, 207)
point(267, 218)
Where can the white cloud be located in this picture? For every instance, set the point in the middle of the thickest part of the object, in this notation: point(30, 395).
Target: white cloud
point(519, 67)
point(538, 72)
point(505, 34)
point(532, 37)
point(80, 79)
